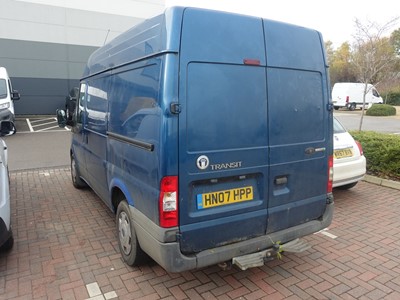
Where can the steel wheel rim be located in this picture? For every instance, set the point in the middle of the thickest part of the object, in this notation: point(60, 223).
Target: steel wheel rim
point(125, 235)
point(73, 170)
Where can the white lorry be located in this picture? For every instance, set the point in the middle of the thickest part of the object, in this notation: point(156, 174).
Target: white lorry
point(350, 95)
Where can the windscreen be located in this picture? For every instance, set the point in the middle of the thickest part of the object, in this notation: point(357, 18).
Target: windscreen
point(3, 89)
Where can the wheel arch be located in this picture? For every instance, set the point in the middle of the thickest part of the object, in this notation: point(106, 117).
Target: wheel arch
point(119, 192)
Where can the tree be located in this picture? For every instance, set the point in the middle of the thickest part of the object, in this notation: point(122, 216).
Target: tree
point(373, 56)
point(340, 65)
point(395, 40)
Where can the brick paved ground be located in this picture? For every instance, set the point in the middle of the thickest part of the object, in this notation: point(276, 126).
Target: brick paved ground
point(65, 240)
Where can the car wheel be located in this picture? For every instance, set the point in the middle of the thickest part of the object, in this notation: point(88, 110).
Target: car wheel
point(75, 175)
point(352, 106)
point(7, 246)
point(128, 243)
point(347, 186)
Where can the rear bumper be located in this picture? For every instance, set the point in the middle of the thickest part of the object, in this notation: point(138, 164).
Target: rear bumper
point(169, 256)
point(349, 172)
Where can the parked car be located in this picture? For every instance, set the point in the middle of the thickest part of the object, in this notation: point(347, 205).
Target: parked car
point(6, 235)
point(351, 94)
point(7, 97)
point(349, 163)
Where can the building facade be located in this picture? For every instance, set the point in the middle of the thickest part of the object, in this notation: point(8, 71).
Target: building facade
point(44, 44)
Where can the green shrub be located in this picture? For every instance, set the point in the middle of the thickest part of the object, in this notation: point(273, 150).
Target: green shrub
point(382, 152)
point(392, 98)
point(381, 110)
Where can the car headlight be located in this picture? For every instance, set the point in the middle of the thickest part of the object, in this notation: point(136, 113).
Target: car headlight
point(5, 105)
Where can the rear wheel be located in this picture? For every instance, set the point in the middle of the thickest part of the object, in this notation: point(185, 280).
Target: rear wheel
point(352, 106)
point(128, 243)
point(75, 175)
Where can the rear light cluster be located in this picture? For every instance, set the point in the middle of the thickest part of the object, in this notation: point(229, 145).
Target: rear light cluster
point(330, 174)
point(168, 202)
point(347, 99)
point(360, 147)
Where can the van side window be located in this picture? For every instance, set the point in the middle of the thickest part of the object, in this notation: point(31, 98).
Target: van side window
point(3, 89)
point(81, 103)
point(135, 98)
point(97, 104)
point(375, 93)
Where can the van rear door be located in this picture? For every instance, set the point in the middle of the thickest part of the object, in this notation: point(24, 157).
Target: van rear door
point(223, 134)
point(300, 125)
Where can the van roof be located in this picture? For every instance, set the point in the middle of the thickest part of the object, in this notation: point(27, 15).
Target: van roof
point(3, 72)
point(142, 41)
point(152, 37)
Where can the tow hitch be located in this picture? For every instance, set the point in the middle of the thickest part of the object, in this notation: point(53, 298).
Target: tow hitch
point(259, 258)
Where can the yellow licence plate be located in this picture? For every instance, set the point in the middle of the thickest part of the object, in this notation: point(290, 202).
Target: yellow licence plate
point(342, 153)
point(219, 198)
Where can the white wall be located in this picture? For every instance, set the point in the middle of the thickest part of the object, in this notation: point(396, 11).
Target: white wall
point(78, 22)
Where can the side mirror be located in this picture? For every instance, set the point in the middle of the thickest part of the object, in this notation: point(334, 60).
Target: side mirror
point(7, 128)
point(15, 95)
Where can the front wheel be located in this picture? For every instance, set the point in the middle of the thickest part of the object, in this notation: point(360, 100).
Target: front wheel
point(7, 246)
point(77, 181)
point(128, 243)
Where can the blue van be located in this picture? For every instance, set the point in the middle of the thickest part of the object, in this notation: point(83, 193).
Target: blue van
point(209, 134)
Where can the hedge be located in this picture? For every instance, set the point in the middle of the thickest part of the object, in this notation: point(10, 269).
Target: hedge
point(392, 98)
point(381, 110)
point(382, 152)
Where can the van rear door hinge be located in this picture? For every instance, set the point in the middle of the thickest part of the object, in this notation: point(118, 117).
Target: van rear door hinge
point(329, 106)
point(175, 108)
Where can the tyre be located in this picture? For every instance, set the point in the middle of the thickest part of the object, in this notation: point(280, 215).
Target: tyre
point(347, 186)
point(352, 106)
point(77, 181)
point(7, 246)
point(128, 243)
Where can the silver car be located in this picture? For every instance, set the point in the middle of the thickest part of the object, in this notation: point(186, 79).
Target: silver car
point(6, 235)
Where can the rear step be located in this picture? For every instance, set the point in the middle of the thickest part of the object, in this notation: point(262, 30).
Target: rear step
point(259, 258)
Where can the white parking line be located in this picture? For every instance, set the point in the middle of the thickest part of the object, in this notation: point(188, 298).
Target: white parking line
point(326, 233)
point(29, 125)
point(32, 124)
point(95, 292)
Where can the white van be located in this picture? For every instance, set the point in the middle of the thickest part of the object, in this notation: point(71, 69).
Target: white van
point(350, 95)
point(7, 96)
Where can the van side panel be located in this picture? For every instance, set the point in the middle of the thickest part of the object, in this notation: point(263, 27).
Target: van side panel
point(224, 121)
point(135, 124)
point(299, 125)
